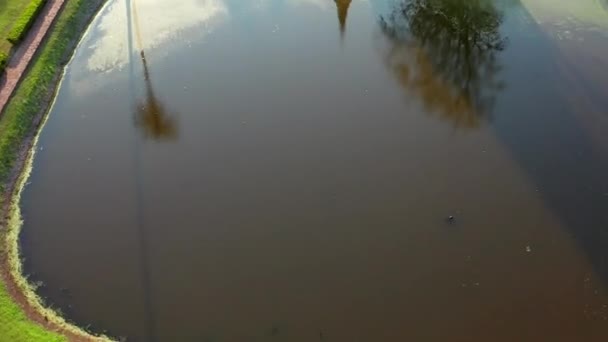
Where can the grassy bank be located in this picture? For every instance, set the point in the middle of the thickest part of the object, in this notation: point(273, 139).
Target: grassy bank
point(22, 316)
point(37, 88)
point(16, 326)
point(3, 61)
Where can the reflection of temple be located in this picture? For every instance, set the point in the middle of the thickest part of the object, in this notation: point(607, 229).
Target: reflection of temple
point(342, 6)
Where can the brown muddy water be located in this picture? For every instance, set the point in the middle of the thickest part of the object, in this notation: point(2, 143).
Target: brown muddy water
point(287, 170)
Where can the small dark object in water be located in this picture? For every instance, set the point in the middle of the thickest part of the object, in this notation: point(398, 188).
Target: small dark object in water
point(451, 219)
point(64, 291)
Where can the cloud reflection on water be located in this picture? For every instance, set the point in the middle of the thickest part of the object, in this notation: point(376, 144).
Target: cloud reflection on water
point(160, 22)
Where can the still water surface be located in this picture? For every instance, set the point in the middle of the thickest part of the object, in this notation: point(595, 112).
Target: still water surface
point(285, 170)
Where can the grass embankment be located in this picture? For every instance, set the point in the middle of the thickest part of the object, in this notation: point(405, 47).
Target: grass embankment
point(19, 306)
point(3, 61)
point(37, 87)
point(25, 21)
point(16, 326)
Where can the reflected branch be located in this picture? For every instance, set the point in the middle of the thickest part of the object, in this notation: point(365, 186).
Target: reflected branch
point(446, 52)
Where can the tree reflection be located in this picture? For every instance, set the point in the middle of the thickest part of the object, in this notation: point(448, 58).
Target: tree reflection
point(446, 51)
point(151, 115)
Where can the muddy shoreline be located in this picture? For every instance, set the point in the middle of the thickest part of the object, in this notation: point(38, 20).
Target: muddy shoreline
point(17, 285)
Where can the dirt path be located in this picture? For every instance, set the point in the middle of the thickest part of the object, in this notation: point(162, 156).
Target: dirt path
point(22, 57)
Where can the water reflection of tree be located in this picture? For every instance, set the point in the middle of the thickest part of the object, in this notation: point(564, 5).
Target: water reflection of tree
point(151, 115)
point(446, 51)
point(153, 119)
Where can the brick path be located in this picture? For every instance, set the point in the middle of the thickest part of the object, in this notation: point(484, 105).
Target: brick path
point(22, 57)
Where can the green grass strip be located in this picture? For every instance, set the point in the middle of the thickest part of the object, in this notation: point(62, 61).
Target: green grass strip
point(3, 61)
point(25, 21)
point(16, 327)
point(17, 123)
point(37, 86)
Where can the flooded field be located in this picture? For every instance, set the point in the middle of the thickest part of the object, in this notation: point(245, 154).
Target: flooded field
point(320, 170)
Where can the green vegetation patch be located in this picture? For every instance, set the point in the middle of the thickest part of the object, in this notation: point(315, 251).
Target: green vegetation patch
point(37, 88)
point(3, 61)
point(18, 122)
point(10, 11)
point(16, 327)
point(25, 21)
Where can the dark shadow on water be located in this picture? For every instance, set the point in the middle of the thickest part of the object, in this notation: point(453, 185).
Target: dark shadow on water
point(153, 120)
point(445, 52)
point(568, 166)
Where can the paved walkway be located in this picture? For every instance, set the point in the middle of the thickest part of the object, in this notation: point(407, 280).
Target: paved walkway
point(26, 50)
